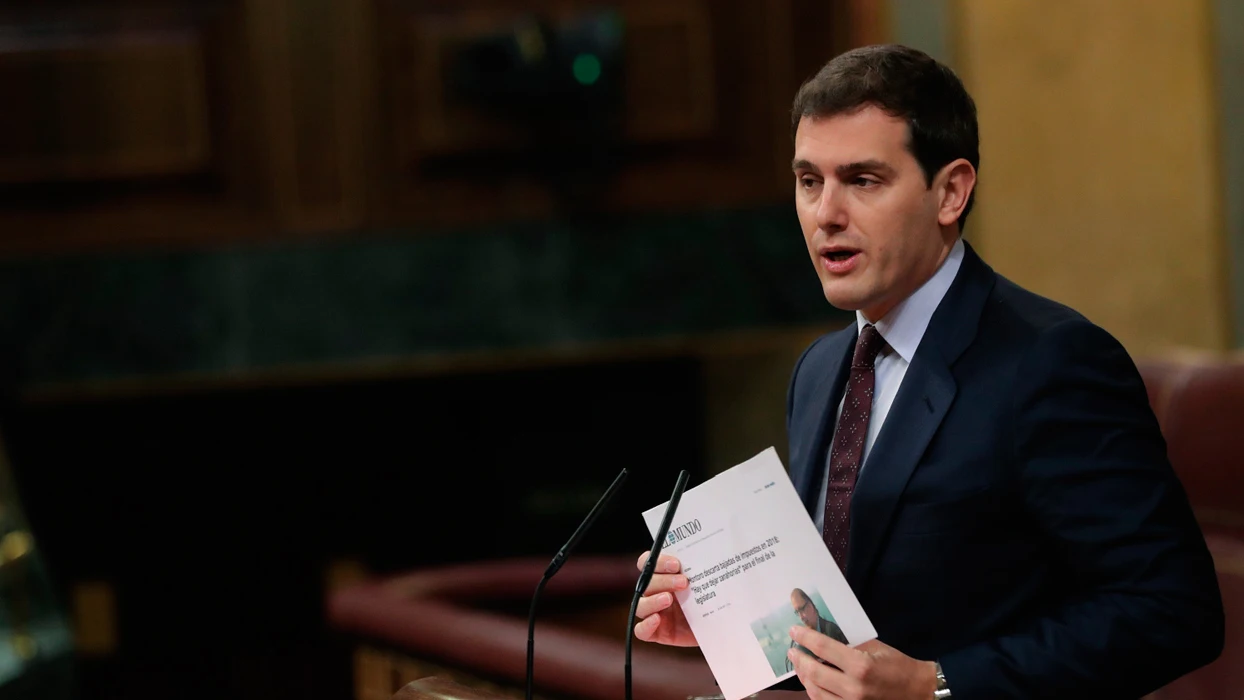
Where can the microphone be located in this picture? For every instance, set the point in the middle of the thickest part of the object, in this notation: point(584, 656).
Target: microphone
point(650, 566)
point(556, 564)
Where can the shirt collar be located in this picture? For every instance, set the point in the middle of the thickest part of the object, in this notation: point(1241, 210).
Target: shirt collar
point(903, 327)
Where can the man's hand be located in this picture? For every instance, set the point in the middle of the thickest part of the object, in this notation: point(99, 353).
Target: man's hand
point(870, 671)
point(660, 620)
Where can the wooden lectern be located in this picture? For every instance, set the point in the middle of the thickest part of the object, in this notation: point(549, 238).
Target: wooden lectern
point(437, 688)
point(447, 626)
point(469, 621)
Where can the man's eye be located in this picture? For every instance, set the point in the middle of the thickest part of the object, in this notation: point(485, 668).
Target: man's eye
point(864, 182)
point(807, 182)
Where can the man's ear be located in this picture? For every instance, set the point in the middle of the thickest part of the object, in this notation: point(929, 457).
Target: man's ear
point(954, 185)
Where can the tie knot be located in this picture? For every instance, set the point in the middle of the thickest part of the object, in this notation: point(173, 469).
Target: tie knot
point(867, 346)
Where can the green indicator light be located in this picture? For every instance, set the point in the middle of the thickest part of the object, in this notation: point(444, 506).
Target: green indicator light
point(586, 69)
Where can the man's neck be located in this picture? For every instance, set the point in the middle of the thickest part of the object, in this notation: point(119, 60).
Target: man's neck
point(904, 324)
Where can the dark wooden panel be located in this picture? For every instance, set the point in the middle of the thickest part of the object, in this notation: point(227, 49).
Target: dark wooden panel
point(312, 79)
point(131, 123)
point(668, 87)
point(671, 84)
point(103, 107)
point(703, 108)
point(143, 123)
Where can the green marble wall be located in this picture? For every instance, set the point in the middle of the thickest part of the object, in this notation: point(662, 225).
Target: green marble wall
point(399, 294)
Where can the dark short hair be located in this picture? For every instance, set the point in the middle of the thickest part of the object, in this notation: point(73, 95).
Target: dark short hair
point(905, 83)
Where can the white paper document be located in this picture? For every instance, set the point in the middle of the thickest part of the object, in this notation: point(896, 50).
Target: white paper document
point(755, 561)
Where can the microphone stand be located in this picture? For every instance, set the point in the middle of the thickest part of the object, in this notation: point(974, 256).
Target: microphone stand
point(556, 564)
point(645, 576)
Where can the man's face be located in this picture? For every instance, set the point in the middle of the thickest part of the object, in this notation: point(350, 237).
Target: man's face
point(805, 609)
point(868, 217)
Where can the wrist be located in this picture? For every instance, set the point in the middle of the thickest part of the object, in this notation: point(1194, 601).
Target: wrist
point(927, 687)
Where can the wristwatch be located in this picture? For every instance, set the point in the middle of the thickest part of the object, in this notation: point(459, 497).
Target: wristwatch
point(943, 690)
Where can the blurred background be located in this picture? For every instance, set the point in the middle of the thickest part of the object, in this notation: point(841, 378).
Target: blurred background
point(296, 293)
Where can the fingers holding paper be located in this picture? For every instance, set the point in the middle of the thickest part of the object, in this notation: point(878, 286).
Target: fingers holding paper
point(871, 670)
point(661, 619)
point(667, 576)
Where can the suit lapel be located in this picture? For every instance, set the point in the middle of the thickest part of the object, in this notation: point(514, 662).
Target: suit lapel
point(826, 393)
point(926, 394)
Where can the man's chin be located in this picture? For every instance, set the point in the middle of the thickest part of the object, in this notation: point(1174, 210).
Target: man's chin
point(844, 302)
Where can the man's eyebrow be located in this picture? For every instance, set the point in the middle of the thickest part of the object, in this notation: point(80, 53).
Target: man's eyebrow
point(874, 166)
point(801, 164)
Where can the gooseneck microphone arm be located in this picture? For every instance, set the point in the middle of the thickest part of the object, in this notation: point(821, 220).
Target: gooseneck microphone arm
point(650, 566)
point(556, 564)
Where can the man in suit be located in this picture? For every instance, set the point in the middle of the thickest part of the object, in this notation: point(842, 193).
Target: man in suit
point(811, 617)
point(982, 461)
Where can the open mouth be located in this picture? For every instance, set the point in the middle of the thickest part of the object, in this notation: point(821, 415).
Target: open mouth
point(839, 261)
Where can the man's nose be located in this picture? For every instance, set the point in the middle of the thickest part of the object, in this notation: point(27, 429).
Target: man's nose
point(831, 215)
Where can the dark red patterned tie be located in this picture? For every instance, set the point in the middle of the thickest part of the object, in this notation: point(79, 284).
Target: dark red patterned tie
point(848, 448)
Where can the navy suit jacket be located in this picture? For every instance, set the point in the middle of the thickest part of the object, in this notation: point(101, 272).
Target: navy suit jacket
point(1017, 518)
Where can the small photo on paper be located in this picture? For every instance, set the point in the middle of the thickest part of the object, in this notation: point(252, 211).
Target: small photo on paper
point(805, 607)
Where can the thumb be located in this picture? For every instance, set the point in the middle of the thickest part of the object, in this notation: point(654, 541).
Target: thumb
point(646, 629)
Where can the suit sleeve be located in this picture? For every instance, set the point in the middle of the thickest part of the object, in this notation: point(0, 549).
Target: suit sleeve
point(1142, 605)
